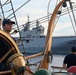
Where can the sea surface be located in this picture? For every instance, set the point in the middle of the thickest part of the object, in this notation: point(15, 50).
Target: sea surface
point(56, 61)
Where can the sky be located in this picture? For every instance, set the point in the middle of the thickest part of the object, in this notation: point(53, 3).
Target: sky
point(40, 8)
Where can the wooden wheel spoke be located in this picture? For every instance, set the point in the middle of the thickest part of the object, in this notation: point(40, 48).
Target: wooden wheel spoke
point(5, 55)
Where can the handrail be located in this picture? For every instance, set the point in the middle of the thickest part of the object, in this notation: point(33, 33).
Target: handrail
point(35, 55)
point(5, 72)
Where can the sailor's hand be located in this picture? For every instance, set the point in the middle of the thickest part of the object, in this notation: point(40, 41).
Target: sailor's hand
point(27, 68)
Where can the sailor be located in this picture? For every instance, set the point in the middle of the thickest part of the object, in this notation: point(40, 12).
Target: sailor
point(7, 26)
point(70, 59)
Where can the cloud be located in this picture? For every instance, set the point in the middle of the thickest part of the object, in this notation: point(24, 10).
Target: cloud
point(62, 26)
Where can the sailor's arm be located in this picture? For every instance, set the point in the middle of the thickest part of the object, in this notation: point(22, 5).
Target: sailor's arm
point(64, 66)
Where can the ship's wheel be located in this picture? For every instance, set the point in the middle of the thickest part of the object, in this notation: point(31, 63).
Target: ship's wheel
point(9, 52)
point(7, 46)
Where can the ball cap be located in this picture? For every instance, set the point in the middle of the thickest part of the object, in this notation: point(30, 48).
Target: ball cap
point(7, 21)
point(73, 49)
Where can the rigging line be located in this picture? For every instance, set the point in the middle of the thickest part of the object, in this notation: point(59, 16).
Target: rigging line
point(67, 12)
point(2, 9)
point(17, 27)
point(56, 3)
point(64, 10)
point(56, 23)
point(41, 20)
point(48, 9)
point(72, 12)
point(69, 9)
point(5, 3)
point(17, 24)
point(74, 8)
point(33, 22)
point(57, 19)
point(71, 21)
point(18, 8)
point(22, 26)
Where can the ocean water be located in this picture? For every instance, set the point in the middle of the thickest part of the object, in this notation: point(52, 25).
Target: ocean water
point(56, 61)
